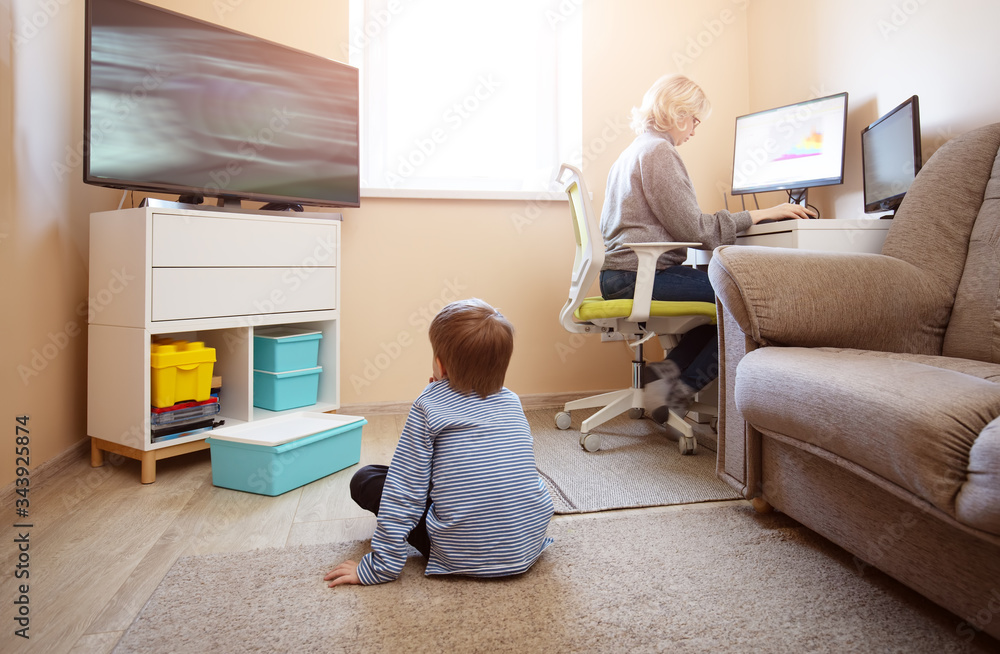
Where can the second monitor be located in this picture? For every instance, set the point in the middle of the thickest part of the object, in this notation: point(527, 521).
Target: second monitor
point(791, 148)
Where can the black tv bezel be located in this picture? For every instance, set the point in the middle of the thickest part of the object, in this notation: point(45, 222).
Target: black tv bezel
point(800, 184)
point(191, 193)
point(892, 202)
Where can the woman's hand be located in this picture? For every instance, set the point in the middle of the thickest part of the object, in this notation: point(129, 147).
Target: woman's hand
point(786, 210)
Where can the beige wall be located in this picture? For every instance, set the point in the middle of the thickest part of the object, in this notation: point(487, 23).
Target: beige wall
point(881, 52)
point(43, 260)
point(403, 258)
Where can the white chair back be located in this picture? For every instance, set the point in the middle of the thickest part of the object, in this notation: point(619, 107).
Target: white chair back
point(589, 246)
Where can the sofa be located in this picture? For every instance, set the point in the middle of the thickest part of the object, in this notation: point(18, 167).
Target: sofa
point(860, 393)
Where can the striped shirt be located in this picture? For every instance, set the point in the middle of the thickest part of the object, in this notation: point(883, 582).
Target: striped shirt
point(489, 508)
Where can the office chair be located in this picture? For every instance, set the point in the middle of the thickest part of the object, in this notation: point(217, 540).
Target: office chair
point(635, 321)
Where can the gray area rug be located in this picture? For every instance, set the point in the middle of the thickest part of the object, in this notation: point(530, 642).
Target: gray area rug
point(638, 465)
point(708, 578)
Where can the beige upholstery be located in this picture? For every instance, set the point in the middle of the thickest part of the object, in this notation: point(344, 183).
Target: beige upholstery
point(859, 390)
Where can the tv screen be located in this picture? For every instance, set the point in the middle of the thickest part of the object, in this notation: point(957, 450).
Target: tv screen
point(178, 105)
point(791, 148)
point(890, 156)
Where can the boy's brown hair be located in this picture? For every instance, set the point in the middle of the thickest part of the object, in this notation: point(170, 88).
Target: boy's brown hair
point(474, 343)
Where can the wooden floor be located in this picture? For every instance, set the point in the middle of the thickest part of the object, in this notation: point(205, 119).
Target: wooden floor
point(101, 542)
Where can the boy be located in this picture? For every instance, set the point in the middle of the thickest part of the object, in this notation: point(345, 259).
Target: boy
point(462, 487)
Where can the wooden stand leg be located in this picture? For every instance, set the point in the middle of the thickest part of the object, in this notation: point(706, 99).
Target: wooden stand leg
point(148, 473)
point(760, 505)
point(148, 458)
point(96, 454)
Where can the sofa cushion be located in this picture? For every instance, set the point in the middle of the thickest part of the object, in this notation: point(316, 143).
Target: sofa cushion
point(911, 419)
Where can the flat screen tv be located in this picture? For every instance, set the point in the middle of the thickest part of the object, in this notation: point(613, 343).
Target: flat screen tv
point(891, 156)
point(181, 106)
point(791, 148)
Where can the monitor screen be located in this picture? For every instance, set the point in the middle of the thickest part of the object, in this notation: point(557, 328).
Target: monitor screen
point(790, 148)
point(178, 105)
point(890, 156)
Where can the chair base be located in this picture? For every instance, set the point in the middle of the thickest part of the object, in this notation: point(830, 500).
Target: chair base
point(614, 404)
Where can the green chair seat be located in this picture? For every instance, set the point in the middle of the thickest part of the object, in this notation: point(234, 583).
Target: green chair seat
point(594, 308)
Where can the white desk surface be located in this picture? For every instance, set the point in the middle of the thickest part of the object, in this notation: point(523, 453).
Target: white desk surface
point(830, 234)
point(821, 223)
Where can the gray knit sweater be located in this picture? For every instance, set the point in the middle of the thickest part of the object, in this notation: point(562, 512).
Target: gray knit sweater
point(650, 198)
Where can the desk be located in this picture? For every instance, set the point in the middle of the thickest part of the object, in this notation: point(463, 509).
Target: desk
point(826, 234)
point(829, 235)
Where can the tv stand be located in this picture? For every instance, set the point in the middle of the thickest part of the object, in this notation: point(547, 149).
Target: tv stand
point(282, 206)
point(199, 274)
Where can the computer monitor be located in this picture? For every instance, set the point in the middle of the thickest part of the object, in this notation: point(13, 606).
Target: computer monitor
point(890, 156)
point(791, 148)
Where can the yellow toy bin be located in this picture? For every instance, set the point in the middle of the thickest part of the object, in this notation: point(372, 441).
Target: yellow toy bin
point(180, 371)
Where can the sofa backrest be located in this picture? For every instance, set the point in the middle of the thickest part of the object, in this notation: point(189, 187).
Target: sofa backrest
point(974, 329)
point(948, 226)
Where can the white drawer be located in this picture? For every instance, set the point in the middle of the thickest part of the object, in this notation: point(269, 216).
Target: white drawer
point(188, 293)
point(185, 240)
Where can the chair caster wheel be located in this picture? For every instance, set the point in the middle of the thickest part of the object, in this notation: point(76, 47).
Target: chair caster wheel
point(563, 421)
point(590, 442)
point(687, 445)
point(636, 413)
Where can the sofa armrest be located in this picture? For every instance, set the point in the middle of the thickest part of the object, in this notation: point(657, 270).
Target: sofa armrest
point(806, 298)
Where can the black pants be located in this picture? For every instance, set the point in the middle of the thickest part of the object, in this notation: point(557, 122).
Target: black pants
point(366, 491)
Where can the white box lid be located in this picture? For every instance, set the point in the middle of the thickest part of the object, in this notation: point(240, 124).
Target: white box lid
point(284, 331)
point(282, 429)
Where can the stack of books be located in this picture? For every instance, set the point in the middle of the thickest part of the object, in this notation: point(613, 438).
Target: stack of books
point(186, 418)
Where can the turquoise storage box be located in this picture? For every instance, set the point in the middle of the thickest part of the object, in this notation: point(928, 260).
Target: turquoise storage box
point(276, 455)
point(280, 349)
point(280, 391)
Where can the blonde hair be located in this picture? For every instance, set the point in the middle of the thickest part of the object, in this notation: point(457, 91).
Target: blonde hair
point(669, 102)
point(474, 343)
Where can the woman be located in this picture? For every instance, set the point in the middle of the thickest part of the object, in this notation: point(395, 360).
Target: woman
point(650, 198)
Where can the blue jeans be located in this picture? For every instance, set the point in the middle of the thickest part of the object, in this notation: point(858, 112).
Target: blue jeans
point(697, 353)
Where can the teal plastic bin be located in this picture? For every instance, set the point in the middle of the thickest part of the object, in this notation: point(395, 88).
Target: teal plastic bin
point(276, 455)
point(280, 391)
point(281, 349)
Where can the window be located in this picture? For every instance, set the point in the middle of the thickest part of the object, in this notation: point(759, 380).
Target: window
point(466, 99)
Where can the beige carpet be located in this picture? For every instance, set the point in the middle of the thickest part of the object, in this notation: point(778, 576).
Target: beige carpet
point(638, 465)
point(706, 578)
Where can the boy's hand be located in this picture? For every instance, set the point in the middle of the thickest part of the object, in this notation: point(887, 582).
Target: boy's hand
point(345, 573)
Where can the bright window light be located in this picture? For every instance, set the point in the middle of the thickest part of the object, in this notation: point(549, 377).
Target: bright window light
point(466, 99)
